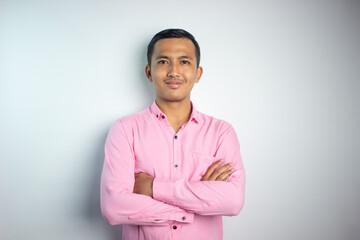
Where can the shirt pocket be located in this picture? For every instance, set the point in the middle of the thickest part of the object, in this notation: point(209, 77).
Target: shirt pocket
point(201, 163)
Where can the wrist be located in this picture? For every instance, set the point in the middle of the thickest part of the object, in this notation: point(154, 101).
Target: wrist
point(151, 187)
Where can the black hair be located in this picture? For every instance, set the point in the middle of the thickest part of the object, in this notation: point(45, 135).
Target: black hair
point(172, 33)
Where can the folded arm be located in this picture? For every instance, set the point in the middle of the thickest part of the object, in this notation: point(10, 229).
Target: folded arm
point(119, 204)
point(221, 191)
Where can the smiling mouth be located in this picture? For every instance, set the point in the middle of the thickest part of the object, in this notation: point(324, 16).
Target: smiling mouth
point(173, 83)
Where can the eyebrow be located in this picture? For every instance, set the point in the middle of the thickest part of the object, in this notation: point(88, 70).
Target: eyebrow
point(166, 57)
point(158, 57)
point(186, 57)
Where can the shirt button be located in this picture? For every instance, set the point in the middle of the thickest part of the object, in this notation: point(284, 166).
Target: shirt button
point(163, 117)
point(174, 227)
point(176, 137)
point(176, 165)
point(183, 218)
point(157, 115)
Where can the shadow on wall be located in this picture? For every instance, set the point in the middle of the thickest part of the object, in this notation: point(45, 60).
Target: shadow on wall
point(93, 209)
point(146, 90)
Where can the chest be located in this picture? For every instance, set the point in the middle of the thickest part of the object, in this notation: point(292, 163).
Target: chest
point(166, 154)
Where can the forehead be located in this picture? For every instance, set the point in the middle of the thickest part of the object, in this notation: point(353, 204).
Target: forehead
point(174, 46)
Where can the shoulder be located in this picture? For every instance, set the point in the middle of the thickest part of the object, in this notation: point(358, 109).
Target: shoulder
point(221, 130)
point(134, 118)
point(213, 122)
point(129, 122)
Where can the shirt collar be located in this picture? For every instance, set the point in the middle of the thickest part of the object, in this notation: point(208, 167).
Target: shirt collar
point(154, 109)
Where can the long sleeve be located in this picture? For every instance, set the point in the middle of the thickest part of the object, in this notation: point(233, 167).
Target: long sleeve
point(119, 204)
point(209, 197)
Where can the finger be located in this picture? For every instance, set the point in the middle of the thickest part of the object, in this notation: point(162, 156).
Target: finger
point(211, 169)
point(219, 171)
point(225, 175)
point(233, 170)
point(138, 174)
point(142, 174)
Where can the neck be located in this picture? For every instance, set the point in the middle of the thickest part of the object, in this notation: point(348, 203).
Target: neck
point(177, 113)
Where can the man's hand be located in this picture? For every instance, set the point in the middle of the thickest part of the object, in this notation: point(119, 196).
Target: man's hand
point(143, 184)
point(216, 173)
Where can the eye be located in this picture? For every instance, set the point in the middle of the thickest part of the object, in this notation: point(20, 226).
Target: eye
point(161, 62)
point(185, 62)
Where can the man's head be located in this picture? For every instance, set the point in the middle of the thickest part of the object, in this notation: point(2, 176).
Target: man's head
point(172, 33)
point(173, 67)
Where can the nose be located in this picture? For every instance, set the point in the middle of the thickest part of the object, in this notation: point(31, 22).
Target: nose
point(174, 71)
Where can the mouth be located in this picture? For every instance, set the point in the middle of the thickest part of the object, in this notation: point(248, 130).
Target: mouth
point(173, 83)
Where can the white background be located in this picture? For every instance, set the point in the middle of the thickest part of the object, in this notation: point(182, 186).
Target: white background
point(285, 74)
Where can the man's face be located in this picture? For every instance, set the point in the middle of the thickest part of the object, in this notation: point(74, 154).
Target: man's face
point(173, 69)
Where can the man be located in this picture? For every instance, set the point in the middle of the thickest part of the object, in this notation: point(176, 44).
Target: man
point(171, 172)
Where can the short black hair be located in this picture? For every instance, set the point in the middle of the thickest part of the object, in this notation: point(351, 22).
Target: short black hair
point(172, 33)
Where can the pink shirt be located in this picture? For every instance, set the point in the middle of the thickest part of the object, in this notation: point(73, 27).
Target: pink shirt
point(182, 207)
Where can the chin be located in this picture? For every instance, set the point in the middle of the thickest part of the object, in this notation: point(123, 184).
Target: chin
point(174, 99)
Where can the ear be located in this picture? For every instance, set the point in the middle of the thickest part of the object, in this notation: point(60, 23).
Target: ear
point(148, 72)
point(199, 72)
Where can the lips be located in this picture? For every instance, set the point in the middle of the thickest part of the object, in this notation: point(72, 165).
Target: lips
point(173, 83)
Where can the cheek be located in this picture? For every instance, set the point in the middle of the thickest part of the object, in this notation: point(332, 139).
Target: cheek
point(157, 77)
point(157, 85)
point(159, 70)
point(191, 76)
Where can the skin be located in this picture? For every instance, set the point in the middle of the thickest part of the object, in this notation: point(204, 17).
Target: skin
point(174, 71)
point(144, 182)
point(216, 172)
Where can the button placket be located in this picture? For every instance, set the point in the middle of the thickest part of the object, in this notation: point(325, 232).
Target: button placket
point(175, 231)
point(176, 162)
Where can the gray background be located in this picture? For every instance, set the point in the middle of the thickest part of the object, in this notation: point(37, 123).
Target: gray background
point(285, 74)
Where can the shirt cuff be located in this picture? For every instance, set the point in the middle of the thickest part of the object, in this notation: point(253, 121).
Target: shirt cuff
point(163, 190)
point(184, 217)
